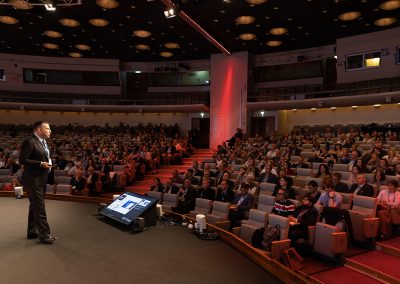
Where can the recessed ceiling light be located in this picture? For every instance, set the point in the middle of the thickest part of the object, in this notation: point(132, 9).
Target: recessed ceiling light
point(390, 5)
point(295, 109)
point(278, 31)
point(245, 20)
point(256, 2)
point(69, 22)
point(273, 43)
point(22, 5)
point(385, 22)
point(377, 105)
point(75, 54)
point(333, 108)
point(142, 33)
point(142, 47)
point(8, 20)
point(166, 54)
point(171, 45)
point(313, 109)
point(53, 34)
point(99, 22)
point(81, 46)
point(50, 45)
point(247, 36)
point(354, 107)
point(107, 4)
point(349, 16)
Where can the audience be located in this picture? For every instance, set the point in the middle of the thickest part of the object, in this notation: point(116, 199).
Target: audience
point(388, 208)
point(283, 206)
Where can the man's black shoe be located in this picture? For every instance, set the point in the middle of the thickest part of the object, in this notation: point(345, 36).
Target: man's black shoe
point(49, 240)
point(32, 236)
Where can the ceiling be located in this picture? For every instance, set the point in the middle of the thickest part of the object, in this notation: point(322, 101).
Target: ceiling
point(304, 23)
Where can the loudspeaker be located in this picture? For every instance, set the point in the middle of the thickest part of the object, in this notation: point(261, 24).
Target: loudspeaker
point(139, 225)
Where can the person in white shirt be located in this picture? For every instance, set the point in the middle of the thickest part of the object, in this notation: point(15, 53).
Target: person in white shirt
point(388, 208)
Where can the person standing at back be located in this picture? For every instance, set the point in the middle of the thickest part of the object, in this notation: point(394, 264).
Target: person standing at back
point(35, 157)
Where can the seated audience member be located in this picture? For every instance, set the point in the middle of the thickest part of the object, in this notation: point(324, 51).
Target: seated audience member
point(339, 186)
point(388, 203)
point(226, 177)
point(205, 191)
point(221, 169)
point(300, 164)
point(267, 175)
point(284, 184)
point(170, 187)
point(355, 171)
point(196, 169)
point(241, 177)
point(249, 181)
point(379, 180)
point(283, 206)
point(91, 179)
point(313, 191)
point(243, 203)
point(224, 194)
point(157, 186)
point(186, 198)
point(303, 216)
point(385, 167)
point(330, 198)
point(323, 171)
point(175, 177)
point(78, 182)
point(189, 175)
point(362, 187)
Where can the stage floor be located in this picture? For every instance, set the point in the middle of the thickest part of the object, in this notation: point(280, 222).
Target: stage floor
point(91, 251)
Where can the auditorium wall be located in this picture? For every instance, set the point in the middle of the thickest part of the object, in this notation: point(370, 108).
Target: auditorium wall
point(93, 118)
point(341, 116)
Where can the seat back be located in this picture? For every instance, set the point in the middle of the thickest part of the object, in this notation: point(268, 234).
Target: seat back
point(257, 218)
point(203, 206)
point(62, 180)
point(169, 200)
point(365, 205)
point(63, 189)
point(323, 241)
point(347, 200)
point(266, 202)
point(295, 202)
point(283, 222)
point(156, 194)
point(340, 167)
point(267, 188)
point(220, 209)
point(303, 172)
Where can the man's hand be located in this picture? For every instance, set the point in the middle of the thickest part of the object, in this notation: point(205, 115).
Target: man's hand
point(45, 165)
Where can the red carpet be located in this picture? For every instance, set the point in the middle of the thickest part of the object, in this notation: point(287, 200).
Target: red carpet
point(344, 275)
point(380, 261)
point(392, 242)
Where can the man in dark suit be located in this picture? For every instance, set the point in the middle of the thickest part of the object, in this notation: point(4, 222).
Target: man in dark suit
point(339, 186)
point(91, 178)
point(268, 176)
point(186, 198)
point(35, 157)
point(224, 194)
point(170, 187)
point(362, 187)
point(244, 202)
point(205, 191)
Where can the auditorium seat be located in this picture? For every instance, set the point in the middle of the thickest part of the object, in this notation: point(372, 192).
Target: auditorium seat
point(340, 167)
point(327, 240)
point(257, 219)
point(303, 172)
point(267, 188)
point(60, 173)
point(62, 180)
point(219, 214)
point(4, 172)
point(169, 200)
point(203, 206)
point(278, 247)
point(64, 189)
point(365, 225)
point(157, 195)
point(347, 200)
point(266, 202)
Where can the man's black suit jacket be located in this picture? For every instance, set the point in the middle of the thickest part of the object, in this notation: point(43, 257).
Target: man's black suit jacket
point(366, 190)
point(31, 156)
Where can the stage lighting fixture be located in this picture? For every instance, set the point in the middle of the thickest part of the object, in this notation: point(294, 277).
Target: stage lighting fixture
point(49, 5)
point(171, 12)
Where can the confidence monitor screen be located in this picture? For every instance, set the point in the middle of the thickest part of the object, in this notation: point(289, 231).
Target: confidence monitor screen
point(128, 207)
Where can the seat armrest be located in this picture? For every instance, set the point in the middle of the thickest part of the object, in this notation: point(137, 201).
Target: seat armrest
point(311, 234)
point(370, 227)
point(278, 247)
point(223, 224)
point(236, 231)
point(339, 242)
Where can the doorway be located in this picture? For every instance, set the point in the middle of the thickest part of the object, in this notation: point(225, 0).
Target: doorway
point(263, 126)
point(200, 132)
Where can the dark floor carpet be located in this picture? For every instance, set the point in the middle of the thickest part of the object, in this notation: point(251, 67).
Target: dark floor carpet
point(91, 251)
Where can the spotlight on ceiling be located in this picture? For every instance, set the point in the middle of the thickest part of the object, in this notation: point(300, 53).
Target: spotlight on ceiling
point(49, 5)
point(172, 11)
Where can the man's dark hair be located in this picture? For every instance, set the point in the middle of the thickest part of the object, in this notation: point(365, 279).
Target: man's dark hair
point(38, 124)
point(313, 183)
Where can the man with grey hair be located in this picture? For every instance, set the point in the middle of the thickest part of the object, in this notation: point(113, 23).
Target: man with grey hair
point(362, 187)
